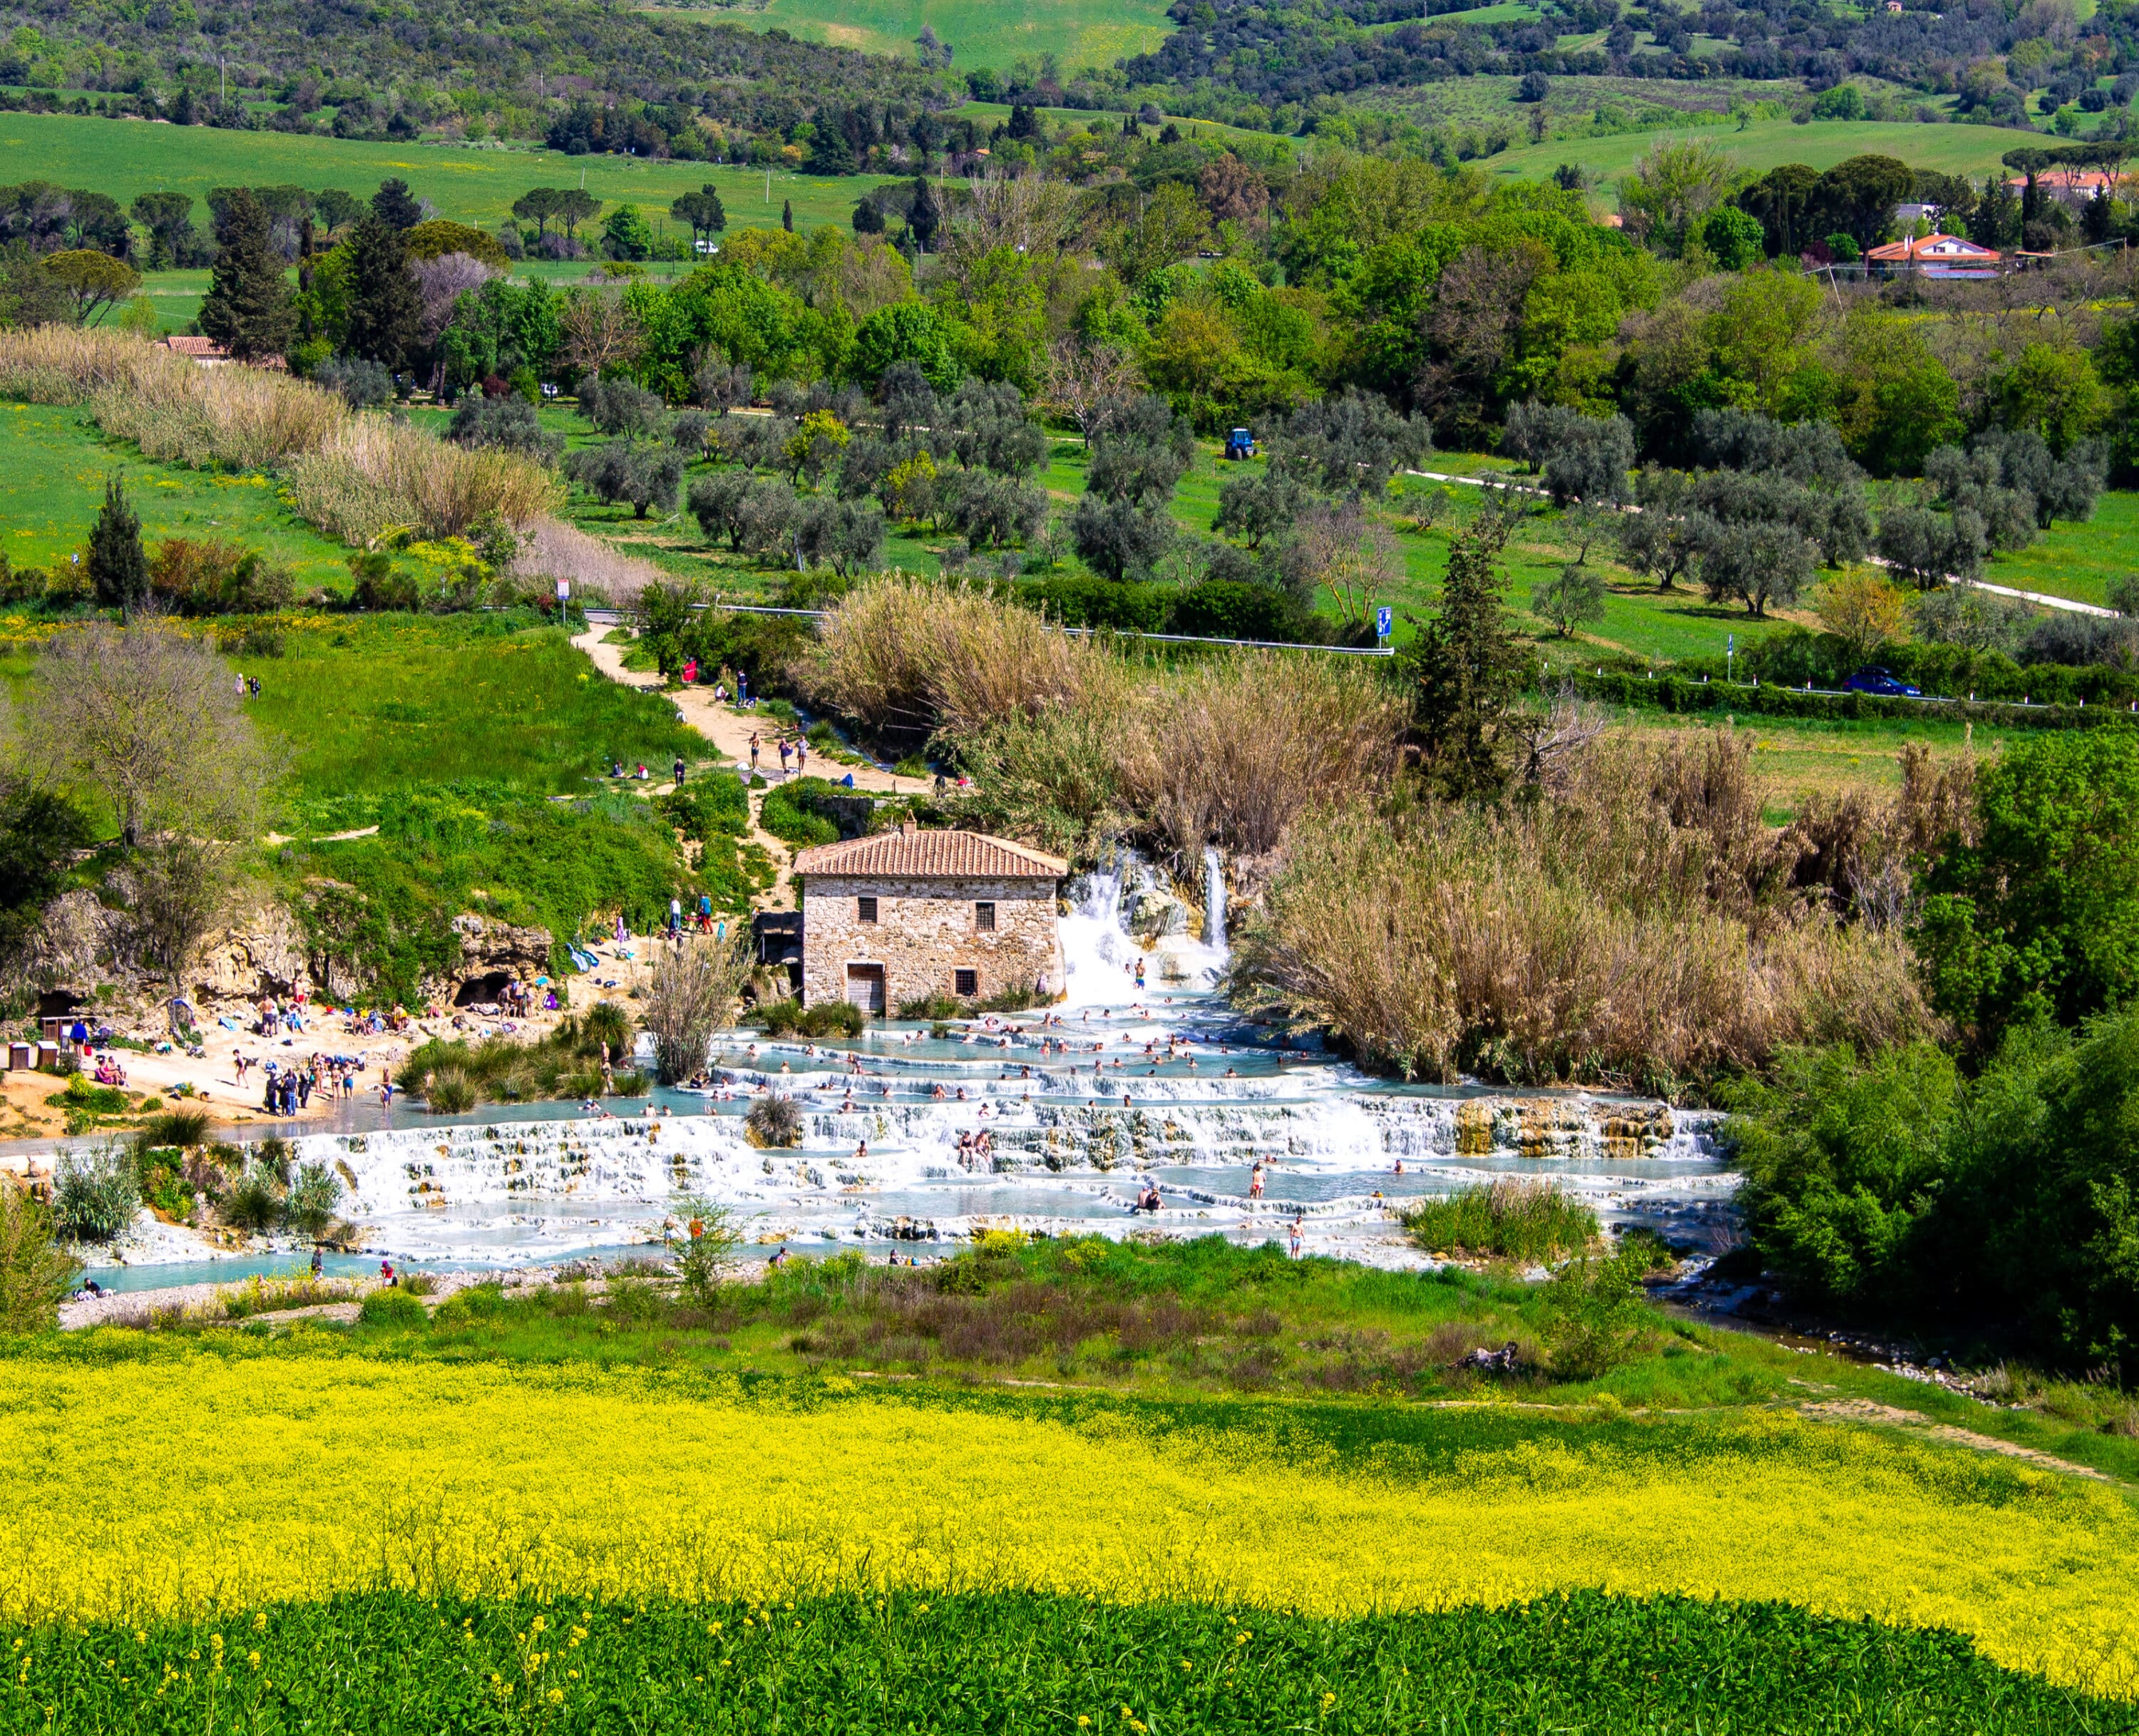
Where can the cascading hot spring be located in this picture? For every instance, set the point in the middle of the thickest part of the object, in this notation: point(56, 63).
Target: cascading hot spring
point(1050, 1121)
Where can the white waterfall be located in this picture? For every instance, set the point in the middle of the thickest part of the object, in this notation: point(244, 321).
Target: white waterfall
point(1214, 901)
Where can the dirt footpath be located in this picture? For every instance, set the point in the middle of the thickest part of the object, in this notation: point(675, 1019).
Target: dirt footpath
point(730, 731)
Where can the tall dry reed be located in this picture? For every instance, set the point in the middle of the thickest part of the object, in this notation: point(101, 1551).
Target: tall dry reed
point(373, 474)
point(1455, 939)
point(1233, 750)
point(352, 475)
point(238, 416)
point(907, 657)
point(65, 364)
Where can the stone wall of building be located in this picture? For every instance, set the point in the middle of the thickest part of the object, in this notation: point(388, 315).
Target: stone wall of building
point(925, 930)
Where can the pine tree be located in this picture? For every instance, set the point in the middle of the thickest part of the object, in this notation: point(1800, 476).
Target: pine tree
point(787, 215)
point(248, 308)
point(385, 314)
point(1468, 665)
point(393, 203)
point(118, 568)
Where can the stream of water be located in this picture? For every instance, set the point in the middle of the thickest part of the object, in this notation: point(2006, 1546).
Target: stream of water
point(1138, 1076)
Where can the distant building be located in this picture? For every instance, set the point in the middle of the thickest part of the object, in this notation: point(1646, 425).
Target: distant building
point(209, 354)
point(2073, 186)
point(902, 916)
point(1936, 255)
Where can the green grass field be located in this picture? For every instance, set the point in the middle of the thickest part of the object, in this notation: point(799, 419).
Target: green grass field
point(468, 183)
point(53, 467)
point(2080, 561)
point(1962, 150)
point(1078, 32)
point(372, 704)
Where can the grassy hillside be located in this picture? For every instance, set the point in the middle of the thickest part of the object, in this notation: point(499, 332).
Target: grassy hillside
point(1966, 150)
point(471, 184)
point(1077, 33)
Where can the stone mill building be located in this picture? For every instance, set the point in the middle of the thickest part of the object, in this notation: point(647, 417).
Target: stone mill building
point(897, 915)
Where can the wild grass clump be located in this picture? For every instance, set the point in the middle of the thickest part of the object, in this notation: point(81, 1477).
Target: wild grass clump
point(34, 1276)
point(1507, 1219)
point(95, 1193)
point(448, 1091)
point(775, 1122)
point(372, 475)
point(1641, 925)
point(452, 1077)
point(907, 657)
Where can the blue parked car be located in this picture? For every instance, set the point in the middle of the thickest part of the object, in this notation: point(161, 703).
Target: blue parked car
point(1884, 682)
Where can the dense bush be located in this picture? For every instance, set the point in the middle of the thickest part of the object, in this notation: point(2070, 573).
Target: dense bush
point(2035, 913)
point(1891, 1185)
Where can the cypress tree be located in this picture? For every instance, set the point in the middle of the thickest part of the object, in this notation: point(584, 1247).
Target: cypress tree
point(385, 314)
point(248, 308)
point(924, 216)
point(1468, 664)
point(787, 215)
point(118, 568)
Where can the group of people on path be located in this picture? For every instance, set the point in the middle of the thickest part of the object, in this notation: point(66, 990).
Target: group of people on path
point(797, 746)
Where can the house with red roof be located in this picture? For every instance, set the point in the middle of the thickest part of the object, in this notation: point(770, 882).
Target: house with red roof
point(1936, 255)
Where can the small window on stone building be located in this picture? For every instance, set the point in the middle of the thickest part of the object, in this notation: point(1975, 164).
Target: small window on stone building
point(865, 910)
point(984, 917)
point(965, 982)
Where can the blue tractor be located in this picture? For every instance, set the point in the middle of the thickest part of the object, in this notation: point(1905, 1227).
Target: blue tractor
point(1240, 445)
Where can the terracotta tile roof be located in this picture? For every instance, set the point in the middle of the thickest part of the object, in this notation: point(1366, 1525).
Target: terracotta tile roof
point(1937, 248)
point(930, 856)
point(200, 348)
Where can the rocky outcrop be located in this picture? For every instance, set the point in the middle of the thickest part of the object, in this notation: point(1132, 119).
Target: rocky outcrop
point(79, 943)
point(263, 952)
point(491, 953)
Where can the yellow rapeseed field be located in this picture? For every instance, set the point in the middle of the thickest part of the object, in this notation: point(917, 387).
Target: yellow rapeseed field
point(195, 1483)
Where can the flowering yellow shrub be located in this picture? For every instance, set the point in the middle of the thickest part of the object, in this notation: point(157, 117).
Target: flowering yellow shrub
point(193, 1482)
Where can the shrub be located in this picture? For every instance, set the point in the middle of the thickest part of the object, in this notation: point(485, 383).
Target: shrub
point(35, 1277)
point(788, 1017)
point(394, 1310)
point(363, 383)
point(617, 407)
point(95, 1194)
point(1594, 1319)
point(622, 473)
point(705, 1252)
point(253, 1202)
point(510, 424)
point(775, 1121)
point(313, 1196)
point(1509, 1219)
